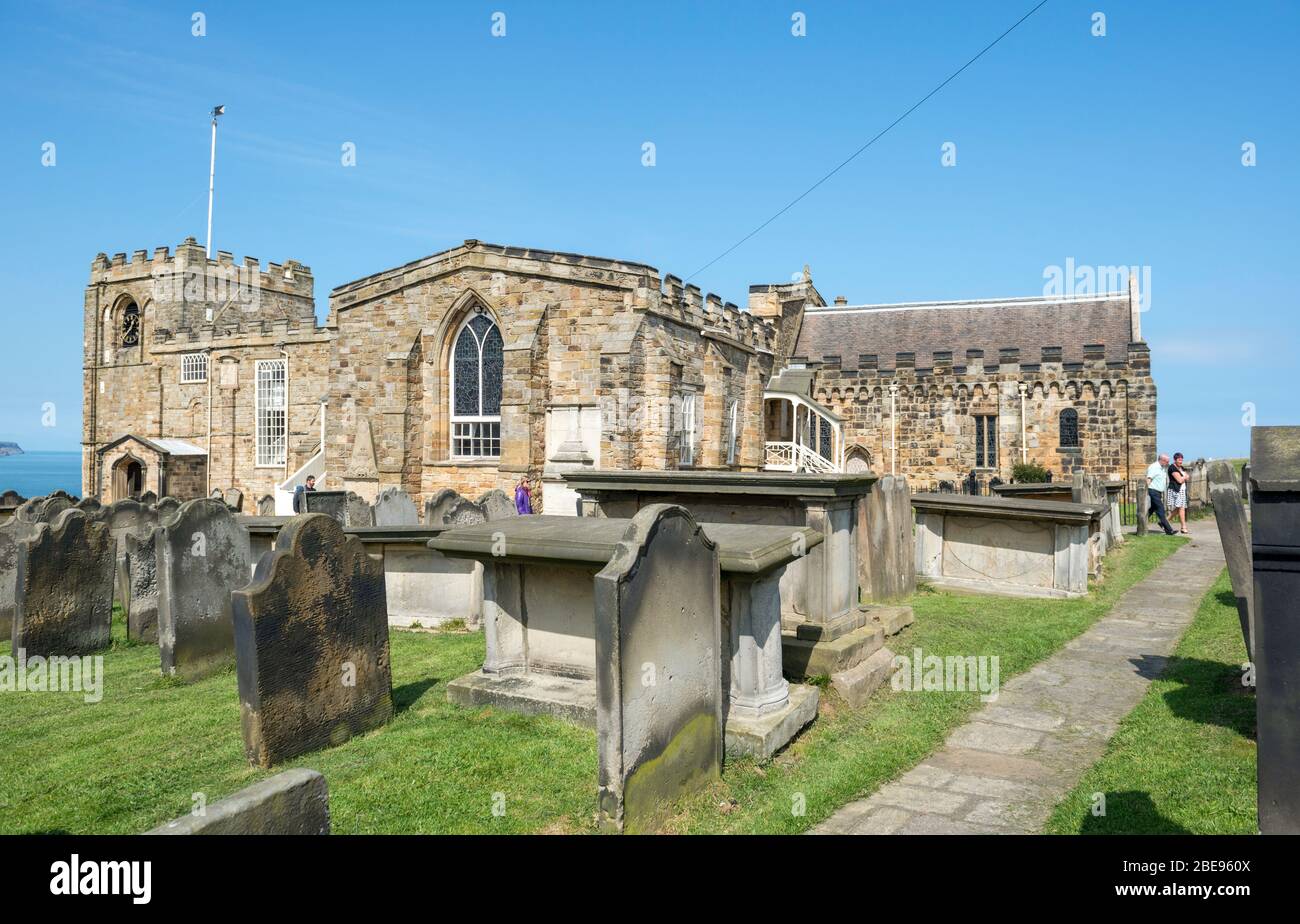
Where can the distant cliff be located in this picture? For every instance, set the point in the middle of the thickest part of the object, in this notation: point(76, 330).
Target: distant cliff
point(10, 449)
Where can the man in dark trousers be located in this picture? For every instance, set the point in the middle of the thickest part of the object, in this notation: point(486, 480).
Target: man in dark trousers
point(299, 494)
point(1157, 482)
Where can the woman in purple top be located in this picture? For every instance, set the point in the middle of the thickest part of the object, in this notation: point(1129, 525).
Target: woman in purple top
point(523, 498)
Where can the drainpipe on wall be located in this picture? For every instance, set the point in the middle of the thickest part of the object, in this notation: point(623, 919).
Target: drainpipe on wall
point(207, 469)
point(893, 428)
point(1024, 446)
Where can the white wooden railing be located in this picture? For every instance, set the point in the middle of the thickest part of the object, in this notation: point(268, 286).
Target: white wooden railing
point(793, 457)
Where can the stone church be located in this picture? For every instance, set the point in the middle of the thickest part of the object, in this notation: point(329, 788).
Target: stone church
point(484, 364)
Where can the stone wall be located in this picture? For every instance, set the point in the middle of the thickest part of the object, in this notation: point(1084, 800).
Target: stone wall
point(585, 339)
point(936, 409)
point(186, 306)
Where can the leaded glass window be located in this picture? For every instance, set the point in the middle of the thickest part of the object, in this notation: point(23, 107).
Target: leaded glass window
point(732, 434)
point(1069, 427)
point(477, 364)
point(686, 429)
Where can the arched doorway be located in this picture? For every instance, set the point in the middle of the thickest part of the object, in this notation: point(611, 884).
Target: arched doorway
point(128, 478)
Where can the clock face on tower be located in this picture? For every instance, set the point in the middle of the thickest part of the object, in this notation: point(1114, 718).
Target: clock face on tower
point(131, 325)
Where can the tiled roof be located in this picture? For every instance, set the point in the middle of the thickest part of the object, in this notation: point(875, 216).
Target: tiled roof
point(924, 328)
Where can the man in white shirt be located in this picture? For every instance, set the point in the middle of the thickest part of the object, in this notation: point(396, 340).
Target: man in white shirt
point(1157, 482)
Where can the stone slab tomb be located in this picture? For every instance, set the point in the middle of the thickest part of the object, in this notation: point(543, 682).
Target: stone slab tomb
point(1026, 548)
point(296, 801)
point(823, 620)
point(202, 555)
point(540, 621)
point(659, 706)
point(1234, 531)
point(63, 600)
point(311, 638)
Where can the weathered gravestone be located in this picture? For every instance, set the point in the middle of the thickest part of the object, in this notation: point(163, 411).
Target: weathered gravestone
point(266, 506)
point(42, 509)
point(142, 580)
point(347, 507)
point(394, 507)
point(202, 555)
point(886, 560)
point(293, 802)
point(1234, 532)
point(127, 518)
point(449, 508)
point(55, 614)
point(1275, 557)
point(659, 688)
point(149, 497)
point(10, 532)
point(311, 639)
point(234, 499)
point(497, 505)
point(167, 507)
point(26, 515)
point(10, 501)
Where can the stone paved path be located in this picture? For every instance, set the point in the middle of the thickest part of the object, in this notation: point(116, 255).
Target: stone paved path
point(1004, 770)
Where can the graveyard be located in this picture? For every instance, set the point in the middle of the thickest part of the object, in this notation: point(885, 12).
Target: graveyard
point(134, 761)
point(691, 652)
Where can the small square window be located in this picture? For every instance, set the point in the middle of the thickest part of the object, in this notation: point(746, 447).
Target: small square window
point(194, 367)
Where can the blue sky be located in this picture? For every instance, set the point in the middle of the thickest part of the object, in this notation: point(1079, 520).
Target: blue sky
point(1121, 149)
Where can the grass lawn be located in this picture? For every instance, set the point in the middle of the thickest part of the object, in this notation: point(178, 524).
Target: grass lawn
point(1183, 761)
point(136, 759)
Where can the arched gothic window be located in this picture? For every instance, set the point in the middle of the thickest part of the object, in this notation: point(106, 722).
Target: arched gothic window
point(130, 324)
point(1069, 421)
point(477, 362)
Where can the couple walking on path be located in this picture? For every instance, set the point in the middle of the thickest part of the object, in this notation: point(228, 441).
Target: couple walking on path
point(1167, 488)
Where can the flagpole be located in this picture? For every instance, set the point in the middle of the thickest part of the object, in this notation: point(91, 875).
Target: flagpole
point(212, 172)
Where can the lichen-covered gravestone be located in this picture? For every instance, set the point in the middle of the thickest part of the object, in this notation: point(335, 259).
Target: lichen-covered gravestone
point(202, 554)
point(394, 507)
point(659, 675)
point(63, 600)
point(311, 637)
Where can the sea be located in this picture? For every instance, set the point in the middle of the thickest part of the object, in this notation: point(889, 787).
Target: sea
point(33, 474)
